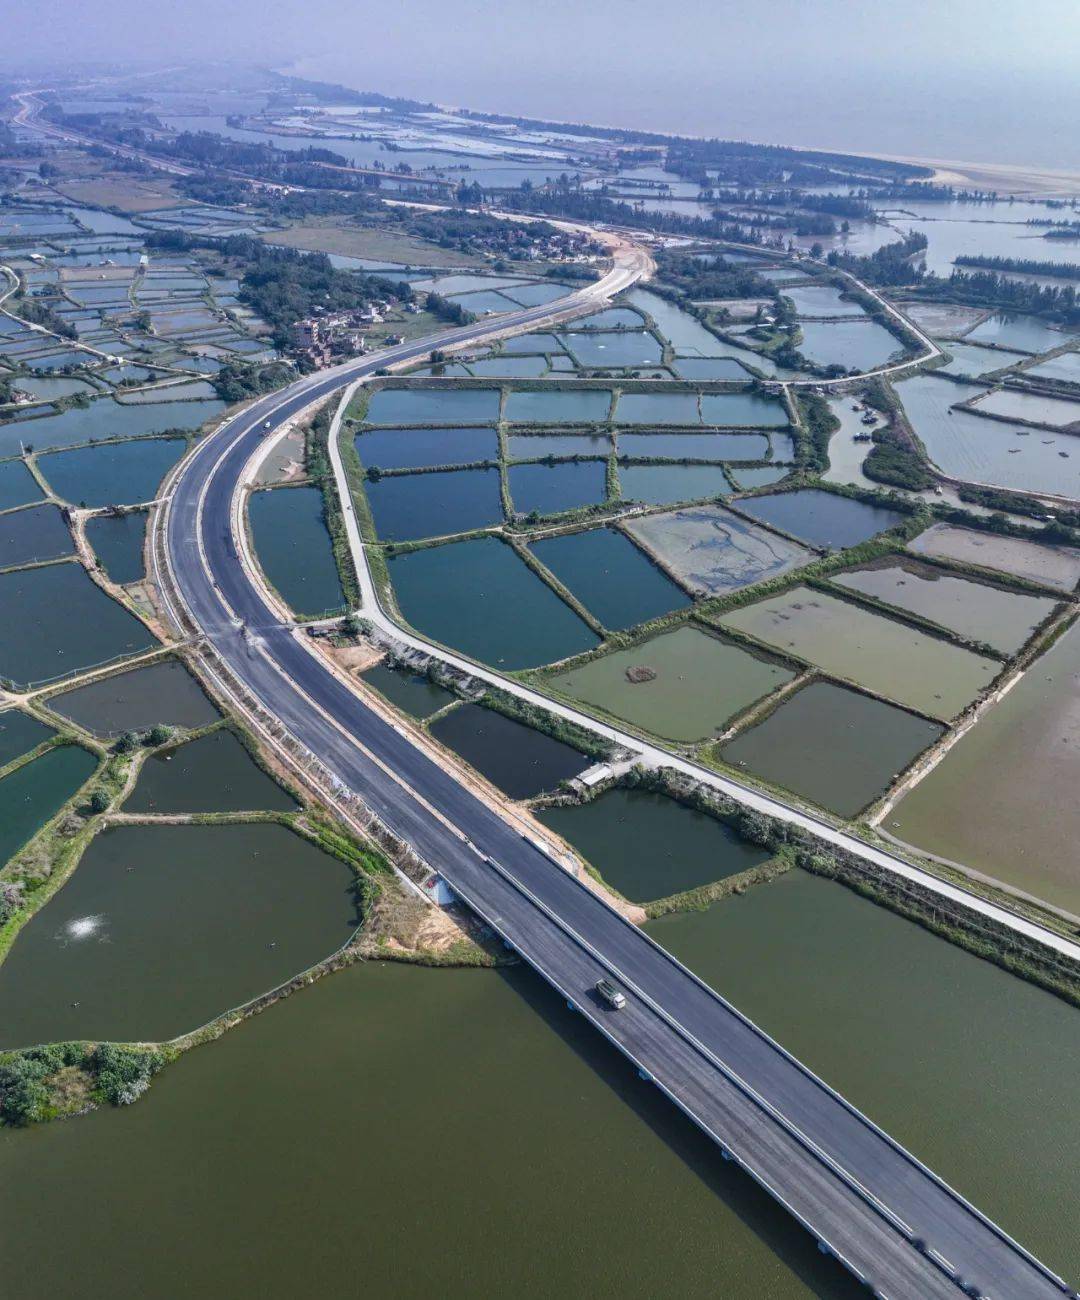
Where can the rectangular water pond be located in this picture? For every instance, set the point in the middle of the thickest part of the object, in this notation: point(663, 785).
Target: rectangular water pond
point(419, 448)
point(855, 344)
point(695, 446)
point(998, 618)
point(120, 473)
point(609, 575)
point(32, 535)
point(743, 409)
point(212, 774)
point(163, 692)
point(820, 300)
point(658, 408)
point(900, 663)
point(683, 685)
point(410, 692)
point(59, 621)
point(17, 485)
point(117, 541)
point(1003, 800)
point(1036, 407)
point(549, 489)
point(533, 446)
point(433, 406)
point(407, 506)
point(712, 550)
point(35, 792)
point(1050, 566)
point(479, 597)
point(833, 746)
point(648, 846)
point(294, 548)
point(162, 928)
point(558, 406)
point(19, 733)
point(521, 761)
point(821, 518)
point(866, 998)
point(613, 351)
point(1025, 332)
point(658, 485)
point(1065, 369)
point(104, 418)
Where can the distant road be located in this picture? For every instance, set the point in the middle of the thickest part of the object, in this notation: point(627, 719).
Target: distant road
point(889, 1220)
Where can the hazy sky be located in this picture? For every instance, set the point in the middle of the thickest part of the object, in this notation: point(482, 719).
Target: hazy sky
point(986, 80)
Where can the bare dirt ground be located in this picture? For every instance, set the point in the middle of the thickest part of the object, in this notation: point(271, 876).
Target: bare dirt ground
point(372, 242)
point(124, 192)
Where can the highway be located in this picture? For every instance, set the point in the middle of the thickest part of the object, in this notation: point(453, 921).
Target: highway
point(890, 1221)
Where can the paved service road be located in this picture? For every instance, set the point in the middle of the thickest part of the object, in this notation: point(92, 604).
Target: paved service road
point(890, 1220)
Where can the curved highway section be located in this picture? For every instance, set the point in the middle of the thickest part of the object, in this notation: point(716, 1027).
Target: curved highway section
point(885, 1216)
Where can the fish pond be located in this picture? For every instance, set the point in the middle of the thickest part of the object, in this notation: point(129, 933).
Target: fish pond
point(212, 774)
point(822, 518)
point(833, 746)
point(163, 692)
point(649, 846)
point(161, 928)
point(19, 733)
point(889, 1001)
point(521, 761)
point(477, 596)
point(900, 663)
point(1003, 800)
point(683, 685)
point(420, 448)
point(1036, 407)
point(32, 535)
point(549, 489)
point(1050, 566)
point(712, 550)
point(999, 618)
point(117, 541)
point(59, 621)
point(696, 446)
point(104, 418)
point(407, 506)
point(558, 406)
point(853, 344)
point(660, 485)
point(610, 576)
point(17, 485)
point(294, 547)
point(441, 406)
point(410, 692)
point(534, 446)
point(33, 793)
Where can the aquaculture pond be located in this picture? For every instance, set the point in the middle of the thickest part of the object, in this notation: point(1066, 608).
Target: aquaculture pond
point(1065, 369)
point(660, 485)
point(613, 350)
point(420, 448)
point(822, 518)
point(712, 550)
point(610, 576)
point(970, 359)
point(649, 846)
point(658, 408)
point(545, 1087)
point(558, 406)
point(1036, 407)
point(685, 333)
point(59, 621)
point(161, 928)
point(212, 774)
point(479, 597)
point(548, 489)
point(433, 406)
point(294, 548)
point(834, 746)
point(508, 367)
point(890, 1001)
point(683, 685)
point(410, 692)
point(104, 418)
point(709, 368)
point(698, 446)
point(17, 485)
point(1027, 333)
point(743, 409)
point(1003, 800)
point(820, 300)
point(120, 473)
point(32, 535)
point(19, 733)
point(117, 541)
point(853, 344)
point(407, 506)
point(533, 446)
point(1050, 566)
point(521, 761)
point(33, 793)
point(755, 476)
point(910, 667)
point(999, 618)
point(163, 692)
point(979, 450)
point(530, 343)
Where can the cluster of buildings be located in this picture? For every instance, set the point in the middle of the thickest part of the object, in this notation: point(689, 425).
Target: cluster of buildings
point(327, 335)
